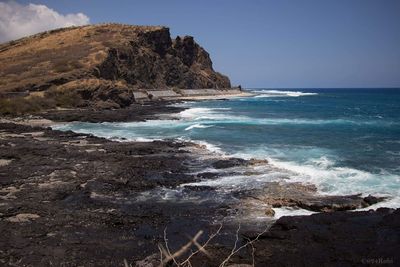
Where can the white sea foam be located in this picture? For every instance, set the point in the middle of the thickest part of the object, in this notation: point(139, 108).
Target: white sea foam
point(181, 104)
point(323, 172)
point(340, 180)
point(210, 147)
point(285, 211)
point(142, 139)
point(322, 162)
point(330, 180)
point(229, 183)
point(197, 125)
point(390, 202)
point(319, 170)
point(203, 113)
point(195, 118)
point(279, 93)
point(223, 116)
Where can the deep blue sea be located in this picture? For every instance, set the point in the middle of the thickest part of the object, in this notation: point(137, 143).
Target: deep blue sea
point(342, 140)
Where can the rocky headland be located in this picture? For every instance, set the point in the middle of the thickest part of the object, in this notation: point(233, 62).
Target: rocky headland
point(105, 66)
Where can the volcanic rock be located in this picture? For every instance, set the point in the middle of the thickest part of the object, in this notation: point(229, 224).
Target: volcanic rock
point(105, 63)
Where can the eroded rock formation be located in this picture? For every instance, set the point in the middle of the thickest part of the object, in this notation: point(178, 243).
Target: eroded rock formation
point(105, 63)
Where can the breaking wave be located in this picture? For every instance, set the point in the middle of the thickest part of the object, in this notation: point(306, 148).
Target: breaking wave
point(197, 125)
point(279, 93)
point(303, 141)
point(223, 116)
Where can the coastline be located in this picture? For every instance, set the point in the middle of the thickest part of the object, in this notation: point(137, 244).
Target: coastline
point(136, 112)
point(124, 145)
point(85, 191)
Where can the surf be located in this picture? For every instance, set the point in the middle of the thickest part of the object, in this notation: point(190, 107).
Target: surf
point(311, 137)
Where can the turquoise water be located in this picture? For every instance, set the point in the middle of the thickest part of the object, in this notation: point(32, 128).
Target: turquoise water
point(342, 140)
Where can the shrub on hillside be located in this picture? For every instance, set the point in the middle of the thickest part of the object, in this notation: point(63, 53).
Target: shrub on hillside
point(65, 98)
point(21, 105)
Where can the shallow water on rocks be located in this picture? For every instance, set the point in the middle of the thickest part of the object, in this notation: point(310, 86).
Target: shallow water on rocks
point(342, 141)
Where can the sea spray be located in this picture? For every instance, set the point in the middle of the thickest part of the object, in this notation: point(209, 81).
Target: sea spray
point(343, 141)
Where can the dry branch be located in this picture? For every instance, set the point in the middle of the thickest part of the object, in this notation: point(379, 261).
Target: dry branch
point(167, 257)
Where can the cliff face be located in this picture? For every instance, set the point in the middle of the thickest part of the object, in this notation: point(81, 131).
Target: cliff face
point(156, 61)
point(109, 55)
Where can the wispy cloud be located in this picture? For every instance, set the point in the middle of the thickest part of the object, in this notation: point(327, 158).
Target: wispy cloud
point(18, 20)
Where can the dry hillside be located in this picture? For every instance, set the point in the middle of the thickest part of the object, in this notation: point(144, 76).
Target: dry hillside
point(105, 61)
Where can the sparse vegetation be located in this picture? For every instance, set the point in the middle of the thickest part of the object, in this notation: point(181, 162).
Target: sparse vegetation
point(61, 66)
point(102, 64)
point(65, 99)
point(51, 99)
point(62, 52)
point(177, 90)
point(22, 105)
point(143, 56)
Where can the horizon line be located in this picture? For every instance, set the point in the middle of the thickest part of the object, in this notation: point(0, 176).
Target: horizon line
point(321, 87)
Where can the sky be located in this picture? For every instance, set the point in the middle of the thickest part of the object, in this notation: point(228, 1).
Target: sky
point(258, 44)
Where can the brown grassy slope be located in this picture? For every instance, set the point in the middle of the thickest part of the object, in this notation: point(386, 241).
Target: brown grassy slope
point(31, 62)
point(136, 56)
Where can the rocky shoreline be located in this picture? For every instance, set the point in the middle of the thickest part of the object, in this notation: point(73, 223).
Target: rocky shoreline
point(69, 199)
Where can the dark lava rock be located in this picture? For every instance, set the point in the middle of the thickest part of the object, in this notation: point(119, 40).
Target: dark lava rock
point(199, 188)
point(332, 239)
point(363, 238)
point(332, 203)
point(69, 199)
point(208, 175)
point(234, 162)
point(306, 197)
point(373, 200)
point(229, 163)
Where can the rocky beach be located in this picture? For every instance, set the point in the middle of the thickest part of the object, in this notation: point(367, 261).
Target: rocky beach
point(75, 198)
point(72, 199)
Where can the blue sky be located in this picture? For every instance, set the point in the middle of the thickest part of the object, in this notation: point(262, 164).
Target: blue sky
point(285, 44)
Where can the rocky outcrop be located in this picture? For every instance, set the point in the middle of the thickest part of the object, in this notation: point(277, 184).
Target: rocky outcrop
point(50, 202)
point(360, 238)
point(297, 195)
point(369, 238)
point(234, 162)
point(121, 59)
point(62, 192)
point(162, 63)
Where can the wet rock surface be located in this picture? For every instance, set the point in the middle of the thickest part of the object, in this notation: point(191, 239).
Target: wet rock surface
point(228, 163)
point(285, 194)
point(74, 199)
point(234, 162)
point(71, 199)
point(366, 238)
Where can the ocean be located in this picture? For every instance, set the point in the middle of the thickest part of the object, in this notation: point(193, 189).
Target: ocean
point(344, 141)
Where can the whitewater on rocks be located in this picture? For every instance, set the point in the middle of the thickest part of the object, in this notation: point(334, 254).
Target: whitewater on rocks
point(127, 180)
point(242, 128)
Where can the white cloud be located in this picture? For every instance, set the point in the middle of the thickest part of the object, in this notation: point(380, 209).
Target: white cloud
point(18, 20)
